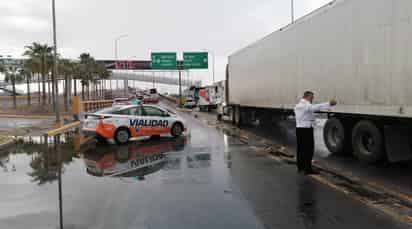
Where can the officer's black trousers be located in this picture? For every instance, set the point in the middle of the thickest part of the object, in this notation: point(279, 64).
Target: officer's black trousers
point(305, 149)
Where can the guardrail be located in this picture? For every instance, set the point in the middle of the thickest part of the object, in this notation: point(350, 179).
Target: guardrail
point(63, 129)
point(88, 106)
point(170, 99)
point(79, 139)
point(19, 97)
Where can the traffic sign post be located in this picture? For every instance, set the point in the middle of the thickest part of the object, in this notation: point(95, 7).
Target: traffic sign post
point(164, 61)
point(168, 61)
point(195, 60)
point(180, 89)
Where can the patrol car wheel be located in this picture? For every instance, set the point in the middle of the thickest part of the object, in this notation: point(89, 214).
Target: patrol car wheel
point(177, 130)
point(122, 136)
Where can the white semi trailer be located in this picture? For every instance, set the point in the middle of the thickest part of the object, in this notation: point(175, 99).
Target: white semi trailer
point(356, 51)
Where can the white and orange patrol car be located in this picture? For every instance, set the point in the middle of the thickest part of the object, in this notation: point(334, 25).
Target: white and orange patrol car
point(121, 123)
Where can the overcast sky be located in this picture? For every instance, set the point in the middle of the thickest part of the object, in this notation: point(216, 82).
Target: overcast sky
point(223, 26)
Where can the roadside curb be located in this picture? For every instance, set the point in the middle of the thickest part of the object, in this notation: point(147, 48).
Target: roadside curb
point(26, 116)
point(184, 110)
point(7, 144)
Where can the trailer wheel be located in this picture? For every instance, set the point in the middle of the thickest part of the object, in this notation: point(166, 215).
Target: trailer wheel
point(337, 136)
point(367, 142)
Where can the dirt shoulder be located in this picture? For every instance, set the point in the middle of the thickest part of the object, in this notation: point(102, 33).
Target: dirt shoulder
point(4, 139)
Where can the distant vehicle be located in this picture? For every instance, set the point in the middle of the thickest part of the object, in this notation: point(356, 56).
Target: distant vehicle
point(140, 95)
point(121, 102)
point(190, 102)
point(121, 123)
point(126, 101)
point(209, 97)
point(150, 99)
point(153, 91)
point(360, 58)
point(151, 96)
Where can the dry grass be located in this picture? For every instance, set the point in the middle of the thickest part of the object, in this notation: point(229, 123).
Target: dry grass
point(4, 139)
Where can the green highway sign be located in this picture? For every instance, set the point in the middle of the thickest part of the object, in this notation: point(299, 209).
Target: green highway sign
point(164, 61)
point(195, 60)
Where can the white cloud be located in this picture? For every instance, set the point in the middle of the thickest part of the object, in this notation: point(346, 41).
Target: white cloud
point(91, 25)
point(70, 53)
point(27, 23)
point(21, 7)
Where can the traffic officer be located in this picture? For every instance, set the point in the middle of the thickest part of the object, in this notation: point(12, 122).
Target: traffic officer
point(305, 122)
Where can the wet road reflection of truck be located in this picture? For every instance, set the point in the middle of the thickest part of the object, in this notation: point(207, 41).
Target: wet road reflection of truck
point(366, 68)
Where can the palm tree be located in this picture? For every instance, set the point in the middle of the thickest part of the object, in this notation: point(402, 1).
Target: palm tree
point(76, 76)
point(2, 68)
point(66, 68)
point(31, 67)
point(102, 74)
point(86, 68)
point(12, 75)
point(42, 53)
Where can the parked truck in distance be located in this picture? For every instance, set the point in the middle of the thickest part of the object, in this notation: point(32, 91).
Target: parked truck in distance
point(358, 52)
point(207, 98)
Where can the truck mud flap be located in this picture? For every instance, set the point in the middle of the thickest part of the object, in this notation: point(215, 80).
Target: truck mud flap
point(398, 143)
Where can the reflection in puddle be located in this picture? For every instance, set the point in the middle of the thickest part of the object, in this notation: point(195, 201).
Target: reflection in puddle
point(307, 207)
point(50, 167)
point(43, 159)
point(133, 160)
point(198, 160)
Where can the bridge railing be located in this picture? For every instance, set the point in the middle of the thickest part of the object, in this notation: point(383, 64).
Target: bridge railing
point(80, 106)
point(18, 97)
point(171, 99)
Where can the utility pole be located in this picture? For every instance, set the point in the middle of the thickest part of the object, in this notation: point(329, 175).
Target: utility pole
point(116, 56)
point(13, 83)
point(293, 11)
point(213, 59)
point(180, 88)
point(154, 82)
point(55, 70)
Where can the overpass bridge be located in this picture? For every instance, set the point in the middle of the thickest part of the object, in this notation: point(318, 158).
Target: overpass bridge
point(152, 78)
point(148, 77)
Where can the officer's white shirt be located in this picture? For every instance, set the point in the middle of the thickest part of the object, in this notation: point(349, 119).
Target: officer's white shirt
point(305, 113)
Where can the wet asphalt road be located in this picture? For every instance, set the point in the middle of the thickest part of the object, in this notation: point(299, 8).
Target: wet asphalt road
point(393, 176)
point(205, 180)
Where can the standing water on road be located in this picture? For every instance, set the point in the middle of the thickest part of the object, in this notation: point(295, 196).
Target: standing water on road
point(206, 180)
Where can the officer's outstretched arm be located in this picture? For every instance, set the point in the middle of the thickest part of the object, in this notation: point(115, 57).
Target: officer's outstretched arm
point(318, 107)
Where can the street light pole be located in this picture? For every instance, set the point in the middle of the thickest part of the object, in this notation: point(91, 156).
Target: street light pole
point(116, 46)
point(55, 70)
point(292, 11)
point(116, 56)
point(56, 106)
point(213, 67)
